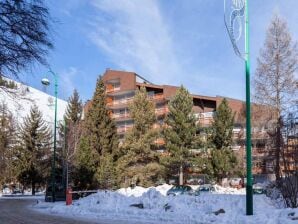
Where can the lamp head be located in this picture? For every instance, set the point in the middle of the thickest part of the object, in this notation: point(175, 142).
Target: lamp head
point(45, 81)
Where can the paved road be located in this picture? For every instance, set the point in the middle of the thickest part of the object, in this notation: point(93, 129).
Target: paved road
point(17, 211)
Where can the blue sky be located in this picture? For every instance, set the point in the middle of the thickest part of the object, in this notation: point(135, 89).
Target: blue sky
point(168, 42)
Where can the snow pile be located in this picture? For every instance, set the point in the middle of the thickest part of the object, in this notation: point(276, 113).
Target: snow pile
point(163, 188)
point(153, 206)
point(136, 191)
point(228, 190)
point(139, 191)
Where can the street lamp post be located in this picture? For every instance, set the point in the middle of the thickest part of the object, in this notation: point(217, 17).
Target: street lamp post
point(249, 190)
point(240, 10)
point(46, 82)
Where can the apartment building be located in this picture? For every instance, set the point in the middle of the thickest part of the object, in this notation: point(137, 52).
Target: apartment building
point(120, 90)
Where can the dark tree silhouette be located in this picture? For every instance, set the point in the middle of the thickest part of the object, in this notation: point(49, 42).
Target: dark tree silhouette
point(24, 35)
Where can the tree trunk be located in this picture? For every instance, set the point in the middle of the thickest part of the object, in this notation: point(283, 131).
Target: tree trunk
point(181, 175)
point(278, 150)
point(33, 187)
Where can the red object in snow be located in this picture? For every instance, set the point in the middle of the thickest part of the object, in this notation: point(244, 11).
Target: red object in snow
point(68, 196)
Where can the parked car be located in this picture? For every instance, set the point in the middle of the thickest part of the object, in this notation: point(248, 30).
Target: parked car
point(16, 191)
point(194, 181)
point(179, 190)
point(206, 188)
point(258, 189)
point(172, 181)
point(235, 182)
point(6, 190)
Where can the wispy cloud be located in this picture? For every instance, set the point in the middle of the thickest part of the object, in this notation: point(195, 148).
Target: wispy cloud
point(135, 37)
point(66, 82)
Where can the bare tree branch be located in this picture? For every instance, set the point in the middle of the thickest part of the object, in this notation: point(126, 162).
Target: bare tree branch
point(275, 82)
point(24, 35)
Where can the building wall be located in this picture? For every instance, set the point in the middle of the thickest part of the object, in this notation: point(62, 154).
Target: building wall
point(127, 80)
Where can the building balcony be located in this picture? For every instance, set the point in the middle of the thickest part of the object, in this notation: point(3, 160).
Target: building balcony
point(119, 102)
point(119, 116)
point(158, 96)
point(112, 89)
point(161, 111)
point(236, 147)
point(205, 122)
point(124, 128)
point(205, 119)
point(156, 126)
point(112, 86)
point(159, 141)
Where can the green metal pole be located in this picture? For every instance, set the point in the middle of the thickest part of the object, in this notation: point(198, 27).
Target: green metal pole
point(55, 146)
point(249, 190)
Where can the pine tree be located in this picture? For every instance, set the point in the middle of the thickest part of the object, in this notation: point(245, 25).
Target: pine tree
point(106, 172)
point(100, 131)
point(222, 126)
point(223, 163)
point(139, 162)
point(73, 113)
point(180, 133)
point(34, 156)
point(85, 163)
point(223, 159)
point(7, 142)
point(100, 128)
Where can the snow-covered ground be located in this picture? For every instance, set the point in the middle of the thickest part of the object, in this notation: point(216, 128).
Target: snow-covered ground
point(159, 208)
point(24, 97)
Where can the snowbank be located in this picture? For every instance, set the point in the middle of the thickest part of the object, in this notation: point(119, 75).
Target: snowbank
point(158, 208)
point(138, 191)
point(228, 190)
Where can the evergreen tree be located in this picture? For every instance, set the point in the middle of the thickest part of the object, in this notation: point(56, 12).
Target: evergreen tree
point(139, 162)
point(222, 126)
point(100, 133)
point(7, 139)
point(85, 161)
point(74, 109)
point(223, 159)
point(106, 172)
point(100, 128)
point(180, 133)
point(34, 155)
point(7, 83)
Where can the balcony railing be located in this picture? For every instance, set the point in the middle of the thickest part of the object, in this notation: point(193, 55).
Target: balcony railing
point(128, 100)
point(205, 121)
point(159, 141)
point(112, 89)
point(156, 126)
point(124, 128)
point(161, 111)
point(156, 96)
point(118, 115)
point(119, 102)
